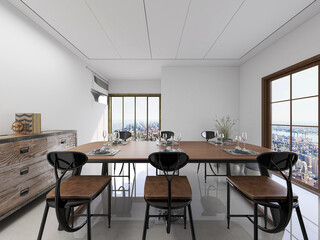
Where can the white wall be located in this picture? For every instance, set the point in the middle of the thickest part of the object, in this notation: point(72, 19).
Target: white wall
point(192, 97)
point(134, 86)
point(298, 45)
point(38, 74)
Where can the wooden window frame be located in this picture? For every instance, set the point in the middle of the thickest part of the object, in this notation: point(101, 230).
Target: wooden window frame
point(110, 96)
point(266, 130)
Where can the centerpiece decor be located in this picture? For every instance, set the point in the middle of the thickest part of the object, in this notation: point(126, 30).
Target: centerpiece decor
point(225, 125)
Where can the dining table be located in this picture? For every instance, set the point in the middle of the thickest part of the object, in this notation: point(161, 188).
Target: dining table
point(198, 152)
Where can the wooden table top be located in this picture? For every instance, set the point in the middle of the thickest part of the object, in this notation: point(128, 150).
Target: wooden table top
point(198, 151)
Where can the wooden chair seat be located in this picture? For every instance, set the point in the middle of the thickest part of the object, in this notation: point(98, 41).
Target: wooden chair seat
point(156, 189)
point(260, 188)
point(81, 187)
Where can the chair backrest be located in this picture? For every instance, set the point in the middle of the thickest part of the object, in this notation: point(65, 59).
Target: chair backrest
point(280, 162)
point(124, 135)
point(168, 161)
point(208, 135)
point(65, 161)
point(169, 134)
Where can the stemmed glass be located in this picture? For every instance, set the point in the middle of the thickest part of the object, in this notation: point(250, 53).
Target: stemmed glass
point(237, 139)
point(104, 134)
point(165, 137)
point(179, 139)
point(116, 138)
point(244, 137)
point(221, 138)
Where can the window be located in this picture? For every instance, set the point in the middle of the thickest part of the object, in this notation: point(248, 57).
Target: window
point(136, 113)
point(290, 120)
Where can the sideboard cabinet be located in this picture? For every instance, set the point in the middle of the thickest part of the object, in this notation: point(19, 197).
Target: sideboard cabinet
point(25, 173)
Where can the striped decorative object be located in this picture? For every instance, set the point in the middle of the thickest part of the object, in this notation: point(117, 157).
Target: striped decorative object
point(31, 123)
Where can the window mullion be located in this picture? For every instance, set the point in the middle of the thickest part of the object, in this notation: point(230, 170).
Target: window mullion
point(290, 112)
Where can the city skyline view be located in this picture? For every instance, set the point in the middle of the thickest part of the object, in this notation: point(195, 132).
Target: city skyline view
point(305, 144)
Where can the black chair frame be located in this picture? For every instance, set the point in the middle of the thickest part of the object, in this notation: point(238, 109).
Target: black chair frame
point(209, 135)
point(64, 208)
point(169, 134)
point(169, 169)
point(284, 161)
point(124, 135)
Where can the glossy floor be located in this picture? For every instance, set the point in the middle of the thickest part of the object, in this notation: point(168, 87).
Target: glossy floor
point(128, 209)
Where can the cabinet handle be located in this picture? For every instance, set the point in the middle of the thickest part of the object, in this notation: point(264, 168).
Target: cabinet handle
point(24, 150)
point(63, 141)
point(24, 171)
point(24, 192)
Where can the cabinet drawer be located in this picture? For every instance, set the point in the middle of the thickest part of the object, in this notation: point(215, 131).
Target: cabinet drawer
point(61, 142)
point(14, 196)
point(16, 175)
point(15, 153)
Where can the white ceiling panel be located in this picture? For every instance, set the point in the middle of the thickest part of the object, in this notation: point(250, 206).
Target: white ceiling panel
point(255, 21)
point(75, 22)
point(206, 21)
point(165, 21)
point(125, 24)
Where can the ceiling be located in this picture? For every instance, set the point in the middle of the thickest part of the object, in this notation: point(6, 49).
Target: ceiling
point(134, 39)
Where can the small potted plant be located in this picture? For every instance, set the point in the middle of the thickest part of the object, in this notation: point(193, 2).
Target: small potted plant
point(224, 126)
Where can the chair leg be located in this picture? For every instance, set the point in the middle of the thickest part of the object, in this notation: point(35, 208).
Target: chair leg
point(88, 221)
point(146, 223)
point(205, 172)
point(134, 168)
point(43, 222)
point(198, 168)
point(255, 225)
point(191, 222)
point(169, 220)
point(121, 168)
point(109, 203)
point(228, 205)
point(265, 215)
point(217, 167)
point(185, 217)
point(303, 229)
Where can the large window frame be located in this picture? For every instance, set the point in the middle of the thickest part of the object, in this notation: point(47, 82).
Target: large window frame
point(267, 102)
point(110, 96)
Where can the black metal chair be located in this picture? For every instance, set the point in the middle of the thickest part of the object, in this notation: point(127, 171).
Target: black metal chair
point(168, 192)
point(124, 135)
point(264, 191)
point(73, 192)
point(170, 134)
point(208, 135)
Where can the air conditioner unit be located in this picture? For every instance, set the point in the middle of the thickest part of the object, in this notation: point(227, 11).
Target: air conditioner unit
point(99, 90)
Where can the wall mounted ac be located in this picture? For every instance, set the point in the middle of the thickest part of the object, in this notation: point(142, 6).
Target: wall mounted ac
point(99, 90)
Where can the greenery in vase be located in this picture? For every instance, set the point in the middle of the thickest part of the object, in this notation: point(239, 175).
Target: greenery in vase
point(224, 125)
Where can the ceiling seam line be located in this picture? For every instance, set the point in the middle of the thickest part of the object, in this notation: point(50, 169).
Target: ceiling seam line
point(277, 30)
point(223, 30)
point(164, 59)
point(54, 29)
point(102, 28)
point(184, 25)
point(147, 25)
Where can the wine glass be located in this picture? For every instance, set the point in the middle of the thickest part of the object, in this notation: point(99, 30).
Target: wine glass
point(116, 138)
point(237, 139)
point(165, 137)
point(179, 139)
point(221, 138)
point(244, 137)
point(104, 134)
point(217, 136)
